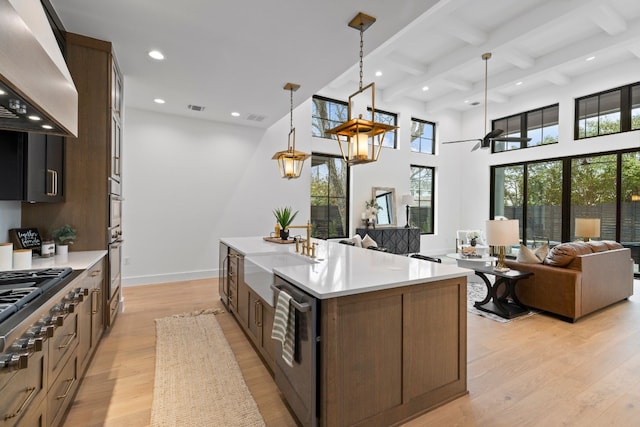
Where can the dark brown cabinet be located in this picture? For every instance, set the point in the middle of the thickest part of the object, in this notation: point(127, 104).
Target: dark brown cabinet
point(32, 167)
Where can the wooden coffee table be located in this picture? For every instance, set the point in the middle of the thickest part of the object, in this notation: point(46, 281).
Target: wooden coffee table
point(507, 304)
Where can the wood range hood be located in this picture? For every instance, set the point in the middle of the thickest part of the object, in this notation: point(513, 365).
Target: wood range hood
point(34, 78)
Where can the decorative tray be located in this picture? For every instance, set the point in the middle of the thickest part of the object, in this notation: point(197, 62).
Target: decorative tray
point(278, 240)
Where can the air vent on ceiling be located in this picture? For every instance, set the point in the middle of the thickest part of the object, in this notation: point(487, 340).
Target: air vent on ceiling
point(255, 117)
point(195, 107)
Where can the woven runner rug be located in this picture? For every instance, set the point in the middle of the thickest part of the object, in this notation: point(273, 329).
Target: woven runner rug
point(198, 381)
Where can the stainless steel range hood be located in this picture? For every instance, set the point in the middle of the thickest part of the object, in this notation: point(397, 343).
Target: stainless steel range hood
point(34, 79)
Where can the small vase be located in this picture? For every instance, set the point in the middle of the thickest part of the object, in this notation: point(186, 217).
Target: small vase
point(473, 242)
point(284, 234)
point(62, 249)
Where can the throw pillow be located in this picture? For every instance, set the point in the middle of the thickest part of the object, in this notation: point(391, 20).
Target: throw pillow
point(368, 241)
point(527, 256)
point(542, 252)
point(357, 240)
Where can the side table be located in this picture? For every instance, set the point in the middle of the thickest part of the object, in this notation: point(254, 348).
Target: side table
point(507, 304)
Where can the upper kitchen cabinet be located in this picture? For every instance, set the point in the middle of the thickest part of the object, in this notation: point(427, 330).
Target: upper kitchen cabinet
point(89, 158)
point(116, 129)
point(32, 167)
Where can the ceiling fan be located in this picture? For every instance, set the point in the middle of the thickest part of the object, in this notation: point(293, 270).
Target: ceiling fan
point(494, 135)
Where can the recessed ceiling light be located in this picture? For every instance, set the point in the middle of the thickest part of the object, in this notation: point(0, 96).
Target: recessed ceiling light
point(35, 118)
point(518, 83)
point(425, 88)
point(2, 92)
point(235, 114)
point(591, 58)
point(378, 73)
point(159, 101)
point(466, 101)
point(47, 127)
point(156, 54)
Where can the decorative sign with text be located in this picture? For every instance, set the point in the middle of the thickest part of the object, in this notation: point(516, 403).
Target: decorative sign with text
point(25, 238)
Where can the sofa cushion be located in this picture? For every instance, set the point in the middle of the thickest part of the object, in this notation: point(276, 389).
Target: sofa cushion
point(564, 253)
point(357, 241)
point(612, 244)
point(530, 256)
point(597, 246)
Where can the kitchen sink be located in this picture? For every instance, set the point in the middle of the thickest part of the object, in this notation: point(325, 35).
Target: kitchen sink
point(258, 270)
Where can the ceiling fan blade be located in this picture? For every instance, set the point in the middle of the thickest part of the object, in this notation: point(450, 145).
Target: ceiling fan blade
point(494, 134)
point(462, 140)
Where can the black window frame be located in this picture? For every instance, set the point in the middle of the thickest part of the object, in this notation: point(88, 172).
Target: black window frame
point(433, 136)
point(431, 223)
point(625, 110)
point(314, 118)
point(347, 196)
point(523, 124)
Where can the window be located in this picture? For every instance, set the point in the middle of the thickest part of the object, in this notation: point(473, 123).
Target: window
point(599, 114)
point(422, 189)
point(329, 196)
point(613, 111)
point(635, 107)
point(593, 192)
point(547, 196)
point(326, 114)
point(389, 140)
point(423, 133)
point(541, 125)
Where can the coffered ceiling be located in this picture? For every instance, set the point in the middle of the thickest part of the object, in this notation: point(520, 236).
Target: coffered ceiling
point(237, 55)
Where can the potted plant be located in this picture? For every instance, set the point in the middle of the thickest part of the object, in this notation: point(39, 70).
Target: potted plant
point(63, 236)
point(284, 217)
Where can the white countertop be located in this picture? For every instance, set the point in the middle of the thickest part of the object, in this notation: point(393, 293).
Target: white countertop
point(80, 260)
point(341, 270)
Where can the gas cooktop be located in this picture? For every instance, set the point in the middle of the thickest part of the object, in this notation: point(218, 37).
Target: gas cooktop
point(19, 288)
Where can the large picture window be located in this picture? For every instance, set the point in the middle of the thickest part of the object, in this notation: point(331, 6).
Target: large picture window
point(547, 197)
point(329, 196)
point(422, 189)
point(423, 135)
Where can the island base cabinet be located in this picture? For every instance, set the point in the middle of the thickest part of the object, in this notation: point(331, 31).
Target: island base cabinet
point(388, 356)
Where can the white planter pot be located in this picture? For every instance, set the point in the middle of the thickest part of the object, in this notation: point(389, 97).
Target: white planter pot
point(62, 249)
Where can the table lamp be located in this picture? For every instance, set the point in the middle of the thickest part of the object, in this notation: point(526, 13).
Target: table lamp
point(407, 199)
point(587, 228)
point(501, 233)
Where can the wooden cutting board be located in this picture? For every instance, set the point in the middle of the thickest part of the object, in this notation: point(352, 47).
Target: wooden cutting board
point(278, 240)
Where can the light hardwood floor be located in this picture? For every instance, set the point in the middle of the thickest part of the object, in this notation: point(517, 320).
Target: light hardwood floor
point(535, 371)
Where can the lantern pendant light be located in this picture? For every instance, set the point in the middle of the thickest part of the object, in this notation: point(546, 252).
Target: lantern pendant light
point(290, 162)
point(361, 139)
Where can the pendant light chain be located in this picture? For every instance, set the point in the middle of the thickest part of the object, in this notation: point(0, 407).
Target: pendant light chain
point(291, 108)
point(361, 50)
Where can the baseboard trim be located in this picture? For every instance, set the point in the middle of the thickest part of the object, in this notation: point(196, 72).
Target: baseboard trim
point(153, 279)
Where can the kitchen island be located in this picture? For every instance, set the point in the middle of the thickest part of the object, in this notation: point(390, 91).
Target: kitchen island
point(380, 338)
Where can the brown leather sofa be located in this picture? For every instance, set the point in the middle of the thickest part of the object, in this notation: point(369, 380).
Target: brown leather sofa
point(576, 278)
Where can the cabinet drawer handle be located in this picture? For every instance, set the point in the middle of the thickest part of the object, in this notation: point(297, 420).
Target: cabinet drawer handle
point(69, 340)
point(54, 177)
point(66, 392)
point(258, 314)
point(96, 292)
point(30, 392)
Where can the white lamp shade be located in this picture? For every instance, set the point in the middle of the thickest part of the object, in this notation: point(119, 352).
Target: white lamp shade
point(588, 227)
point(503, 232)
point(407, 199)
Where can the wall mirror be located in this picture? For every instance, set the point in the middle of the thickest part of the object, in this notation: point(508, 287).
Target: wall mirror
point(385, 197)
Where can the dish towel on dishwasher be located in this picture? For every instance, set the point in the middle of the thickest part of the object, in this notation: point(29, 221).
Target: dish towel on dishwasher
point(284, 326)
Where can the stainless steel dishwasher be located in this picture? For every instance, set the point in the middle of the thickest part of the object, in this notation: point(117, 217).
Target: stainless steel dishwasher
point(299, 383)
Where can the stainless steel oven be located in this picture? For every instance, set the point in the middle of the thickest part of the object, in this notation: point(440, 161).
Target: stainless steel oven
point(114, 250)
point(299, 383)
